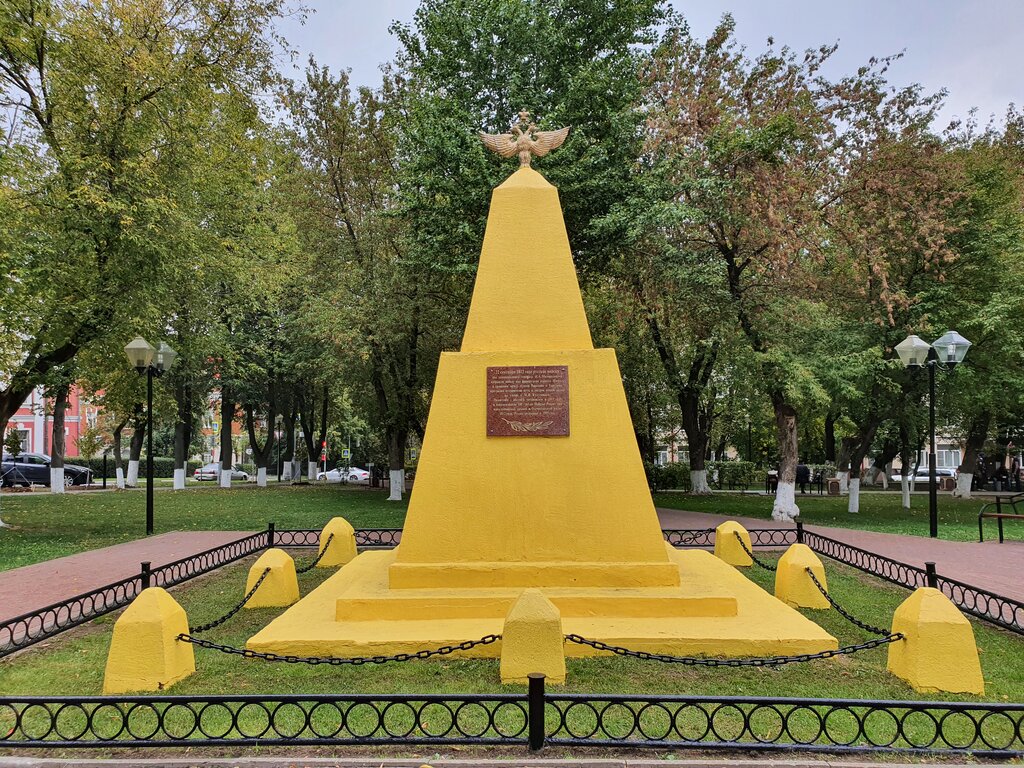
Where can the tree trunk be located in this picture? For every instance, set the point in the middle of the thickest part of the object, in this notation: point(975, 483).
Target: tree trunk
point(857, 456)
point(135, 451)
point(830, 436)
point(183, 426)
point(288, 416)
point(976, 434)
point(905, 462)
point(882, 463)
point(118, 462)
point(396, 462)
point(846, 446)
point(260, 454)
point(785, 507)
point(57, 447)
point(227, 416)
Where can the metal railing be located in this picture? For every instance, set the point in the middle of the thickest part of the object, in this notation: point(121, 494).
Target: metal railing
point(532, 719)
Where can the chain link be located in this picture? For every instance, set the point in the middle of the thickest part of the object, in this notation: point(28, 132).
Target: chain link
point(217, 622)
point(845, 614)
point(767, 661)
point(319, 557)
point(444, 650)
point(762, 563)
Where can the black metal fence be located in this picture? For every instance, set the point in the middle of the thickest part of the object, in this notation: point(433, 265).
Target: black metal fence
point(533, 719)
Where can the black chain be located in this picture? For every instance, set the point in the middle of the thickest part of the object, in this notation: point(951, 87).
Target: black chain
point(217, 622)
point(334, 661)
point(319, 557)
point(762, 563)
point(769, 661)
point(845, 614)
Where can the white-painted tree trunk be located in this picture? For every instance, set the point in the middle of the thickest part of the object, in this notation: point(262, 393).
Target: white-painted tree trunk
point(311, 470)
point(785, 507)
point(179, 478)
point(699, 481)
point(56, 479)
point(397, 483)
point(119, 473)
point(963, 485)
point(854, 504)
point(905, 488)
point(886, 475)
point(225, 476)
point(132, 480)
point(286, 471)
point(844, 481)
point(261, 477)
point(296, 470)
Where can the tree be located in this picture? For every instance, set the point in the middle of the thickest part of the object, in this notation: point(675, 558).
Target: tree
point(103, 101)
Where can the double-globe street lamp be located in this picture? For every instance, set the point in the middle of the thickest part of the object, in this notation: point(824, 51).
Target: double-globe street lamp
point(149, 361)
point(915, 352)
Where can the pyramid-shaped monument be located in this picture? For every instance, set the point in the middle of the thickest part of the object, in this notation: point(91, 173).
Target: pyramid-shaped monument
point(530, 476)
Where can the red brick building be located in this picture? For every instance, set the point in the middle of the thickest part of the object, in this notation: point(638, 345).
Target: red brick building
point(34, 421)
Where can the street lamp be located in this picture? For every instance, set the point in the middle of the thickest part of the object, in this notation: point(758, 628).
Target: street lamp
point(915, 352)
point(151, 361)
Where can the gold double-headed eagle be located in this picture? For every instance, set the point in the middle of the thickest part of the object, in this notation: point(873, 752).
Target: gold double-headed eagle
point(524, 140)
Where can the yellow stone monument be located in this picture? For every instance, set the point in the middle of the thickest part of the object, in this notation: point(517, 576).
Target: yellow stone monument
point(550, 491)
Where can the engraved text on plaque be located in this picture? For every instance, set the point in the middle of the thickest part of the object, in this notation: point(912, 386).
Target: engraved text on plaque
point(528, 401)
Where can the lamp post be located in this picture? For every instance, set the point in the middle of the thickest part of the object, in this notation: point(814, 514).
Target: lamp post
point(949, 349)
point(149, 361)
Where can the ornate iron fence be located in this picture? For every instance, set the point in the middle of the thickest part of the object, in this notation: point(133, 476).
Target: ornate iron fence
point(30, 628)
point(533, 718)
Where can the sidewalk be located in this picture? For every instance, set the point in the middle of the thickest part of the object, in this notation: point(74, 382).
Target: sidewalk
point(34, 586)
point(991, 565)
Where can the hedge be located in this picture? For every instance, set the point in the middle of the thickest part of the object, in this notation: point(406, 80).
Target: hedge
point(163, 466)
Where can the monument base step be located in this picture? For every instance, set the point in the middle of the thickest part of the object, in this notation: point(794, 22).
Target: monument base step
point(716, 611)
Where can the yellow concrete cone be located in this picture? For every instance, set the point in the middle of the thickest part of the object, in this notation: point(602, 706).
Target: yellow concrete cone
point(532, 640)
point(792, 584)
point(280, 588)
point(728, 548)
point(145, 654)
point(938, 652)
point(342, 548)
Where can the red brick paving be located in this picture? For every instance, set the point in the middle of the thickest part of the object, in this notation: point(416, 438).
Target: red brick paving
point(993, 566)
point(35, 586)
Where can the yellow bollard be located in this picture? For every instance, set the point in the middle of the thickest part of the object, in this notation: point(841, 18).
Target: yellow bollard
point(280, 587)
point(792, 584)
point(342, 548)
point(532, 640)
point(145, 653)
point(728, 548)
point(938, 652)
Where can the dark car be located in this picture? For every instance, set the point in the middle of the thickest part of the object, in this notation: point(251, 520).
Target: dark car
point(29, 468)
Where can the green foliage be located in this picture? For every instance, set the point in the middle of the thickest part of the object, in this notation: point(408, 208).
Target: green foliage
point(12, 443)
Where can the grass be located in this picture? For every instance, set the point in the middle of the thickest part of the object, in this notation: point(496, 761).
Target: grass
point(72, 664)
point(958, 518)
point(49, 526)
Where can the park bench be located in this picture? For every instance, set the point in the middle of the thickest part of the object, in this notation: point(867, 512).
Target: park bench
point(1000, 501)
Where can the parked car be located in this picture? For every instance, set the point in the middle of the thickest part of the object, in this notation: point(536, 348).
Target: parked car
point(922, 475)
point(212, 472)
point(345, 475)
point(29, 468)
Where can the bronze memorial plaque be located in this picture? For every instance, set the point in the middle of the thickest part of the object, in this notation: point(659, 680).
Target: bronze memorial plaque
point(528, 401)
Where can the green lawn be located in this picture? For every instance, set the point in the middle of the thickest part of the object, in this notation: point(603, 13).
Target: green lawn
point(73, 663)
point(49, 526)
point(958, 518)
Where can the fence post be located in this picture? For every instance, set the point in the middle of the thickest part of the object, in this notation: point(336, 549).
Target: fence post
point(799, 532)
point(146, 574)
point(930, 575)
point(270, 535)
point(535, 710)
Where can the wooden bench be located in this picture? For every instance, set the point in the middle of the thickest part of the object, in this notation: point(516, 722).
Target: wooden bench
point(1012, 500)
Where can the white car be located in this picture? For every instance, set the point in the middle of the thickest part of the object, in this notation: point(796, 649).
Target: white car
point(922, 475)
point(212, 472)
point(345, 475)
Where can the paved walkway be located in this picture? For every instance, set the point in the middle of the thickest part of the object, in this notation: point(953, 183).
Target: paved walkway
point(34, 586)
point(993, 566)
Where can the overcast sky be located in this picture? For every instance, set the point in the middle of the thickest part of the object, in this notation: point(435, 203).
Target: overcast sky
point(972, 48)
